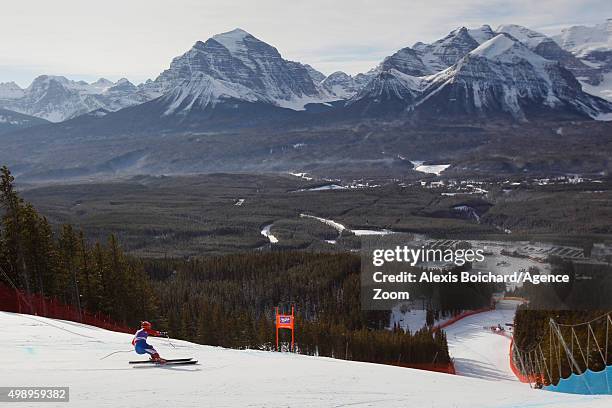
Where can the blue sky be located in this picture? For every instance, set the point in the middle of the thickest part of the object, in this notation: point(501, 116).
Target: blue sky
point(138, 38)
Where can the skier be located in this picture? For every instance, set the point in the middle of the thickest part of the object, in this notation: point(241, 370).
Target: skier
point(140, 341)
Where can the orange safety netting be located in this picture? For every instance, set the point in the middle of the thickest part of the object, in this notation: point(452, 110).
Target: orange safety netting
point(13, 300)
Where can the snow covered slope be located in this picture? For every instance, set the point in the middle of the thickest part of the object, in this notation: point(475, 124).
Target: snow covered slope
point(585, 40)
point(547, 48)
point(40, 351)
point(478, 352)
point(593, 46)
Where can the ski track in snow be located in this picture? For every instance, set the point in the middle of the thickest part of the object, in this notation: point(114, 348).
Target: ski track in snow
point(41, 351)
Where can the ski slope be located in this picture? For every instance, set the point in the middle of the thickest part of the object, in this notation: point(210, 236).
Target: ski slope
point(476, 351)
point(479, 352)
point(47, 352)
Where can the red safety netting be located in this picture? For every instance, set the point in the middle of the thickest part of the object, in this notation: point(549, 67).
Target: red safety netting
point(521, 377)
point(440, 368)
point(13, 300)
point(460, 316)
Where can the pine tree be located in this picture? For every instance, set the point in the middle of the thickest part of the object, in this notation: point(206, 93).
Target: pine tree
point(12, 239)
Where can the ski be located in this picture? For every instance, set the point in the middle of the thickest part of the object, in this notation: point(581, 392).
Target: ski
point(176, 360)
point(188, 362)
point(171, 363)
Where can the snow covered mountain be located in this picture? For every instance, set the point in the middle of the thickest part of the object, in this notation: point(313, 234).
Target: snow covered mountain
point(583, 41)
point(396, 82)
point(448, 50)
point(235, 65)
point(56, 98)
point(426, 59)
point(504, 76)
point(546, 47)
point(501, 76)
point(344, 86)
point(389, 92)
point(593, 46)
point(10, 90)
point(10, 120)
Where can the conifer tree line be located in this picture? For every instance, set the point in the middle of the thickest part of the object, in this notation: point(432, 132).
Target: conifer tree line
point(62, 265)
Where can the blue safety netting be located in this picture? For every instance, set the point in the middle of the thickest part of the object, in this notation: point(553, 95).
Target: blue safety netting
point(589, 382)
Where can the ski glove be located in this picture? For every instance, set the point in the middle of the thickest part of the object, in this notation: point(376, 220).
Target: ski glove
point(163, 334)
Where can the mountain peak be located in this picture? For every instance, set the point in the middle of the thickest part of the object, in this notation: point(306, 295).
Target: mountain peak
point(10, 84)
point(43, 78)
point(102, 82)
point(123, 80)
point(528, 37)
point(459, 30)
point(504, 47)
point(232, 40)
point(236, 32)
point(482, 33)
point(10, 90)
point(339, 75)
point(446, 51)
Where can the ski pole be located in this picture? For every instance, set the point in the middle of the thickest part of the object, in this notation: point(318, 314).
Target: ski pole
point(168, 338)
point(115, 352)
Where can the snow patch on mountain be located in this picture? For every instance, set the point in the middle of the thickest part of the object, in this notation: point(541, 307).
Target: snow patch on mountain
point(603, 89)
